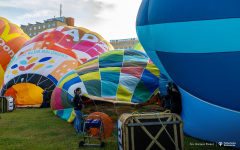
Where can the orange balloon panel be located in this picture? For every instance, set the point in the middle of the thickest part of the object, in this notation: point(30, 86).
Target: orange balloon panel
point(11, 92)
point(12, 39)
point(26, 94)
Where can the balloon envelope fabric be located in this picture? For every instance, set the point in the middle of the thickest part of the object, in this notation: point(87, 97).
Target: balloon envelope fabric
point(200, 52)
point(163, 79)
point(12, 39)
point(118, 76)
point(139, 47)
point(47, 57)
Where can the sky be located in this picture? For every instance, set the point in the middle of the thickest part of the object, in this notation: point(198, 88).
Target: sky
point(112, 19)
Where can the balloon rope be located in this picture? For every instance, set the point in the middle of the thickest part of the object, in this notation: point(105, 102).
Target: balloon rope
point(88, 111)
point(115, 135)
point(39, 80)
point(134, 107)
point(115, 108)
point(167, 132)
point(97, 106)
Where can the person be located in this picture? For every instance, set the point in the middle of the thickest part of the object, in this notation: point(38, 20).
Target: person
point(77, 101)
point(168, 97)
point(45, 97)
point(176, 102)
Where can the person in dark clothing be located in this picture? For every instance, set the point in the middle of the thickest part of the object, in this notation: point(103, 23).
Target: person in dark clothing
point(77, 101)
point(45, 97)
point(167, 97)
point(176, 102)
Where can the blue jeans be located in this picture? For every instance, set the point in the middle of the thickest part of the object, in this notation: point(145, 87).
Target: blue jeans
point(78, 119)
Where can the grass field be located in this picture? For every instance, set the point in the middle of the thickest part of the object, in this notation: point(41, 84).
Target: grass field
point(40, 129)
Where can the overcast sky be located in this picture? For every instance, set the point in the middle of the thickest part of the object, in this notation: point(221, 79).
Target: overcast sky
point(113, 19)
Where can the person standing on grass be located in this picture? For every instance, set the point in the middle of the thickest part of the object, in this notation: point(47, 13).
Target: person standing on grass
point(176, 100)
point(45, 97)
point(77, 101)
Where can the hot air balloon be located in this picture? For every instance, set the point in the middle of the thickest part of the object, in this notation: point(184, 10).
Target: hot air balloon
point(197, 43)
point(163, 79)
point(12, 39)
point(139, 47)
point(44, 59)
point(118, 76)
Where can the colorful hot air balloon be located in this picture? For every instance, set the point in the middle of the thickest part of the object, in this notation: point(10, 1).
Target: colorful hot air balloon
point(139, 47)
point(197, 43)
point(12, 39)
point(118, 76)
point(163, 80)
point(44, 59)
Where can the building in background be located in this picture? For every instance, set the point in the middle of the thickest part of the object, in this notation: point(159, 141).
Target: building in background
point(124, 43)
point(33, 29)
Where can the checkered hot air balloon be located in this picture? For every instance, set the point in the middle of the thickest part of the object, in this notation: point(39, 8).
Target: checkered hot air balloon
point(118, 76)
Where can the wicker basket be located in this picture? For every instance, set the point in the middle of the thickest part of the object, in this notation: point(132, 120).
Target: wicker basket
point(150, 131)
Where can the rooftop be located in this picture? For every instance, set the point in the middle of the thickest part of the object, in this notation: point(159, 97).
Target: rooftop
point(121, 40)
point(48, 20)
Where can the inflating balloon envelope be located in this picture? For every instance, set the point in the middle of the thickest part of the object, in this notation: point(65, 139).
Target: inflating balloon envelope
point(196, 43)
point(12, 39)
point(118, 76)
point(43, 60)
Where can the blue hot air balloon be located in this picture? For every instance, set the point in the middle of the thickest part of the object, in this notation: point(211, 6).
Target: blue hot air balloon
point(197, 45)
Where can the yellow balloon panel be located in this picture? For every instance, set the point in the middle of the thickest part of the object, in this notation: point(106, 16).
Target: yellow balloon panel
point(1, 75)
point(28, 94)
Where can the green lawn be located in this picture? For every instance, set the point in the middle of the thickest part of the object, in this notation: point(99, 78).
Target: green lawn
point(39, 129)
